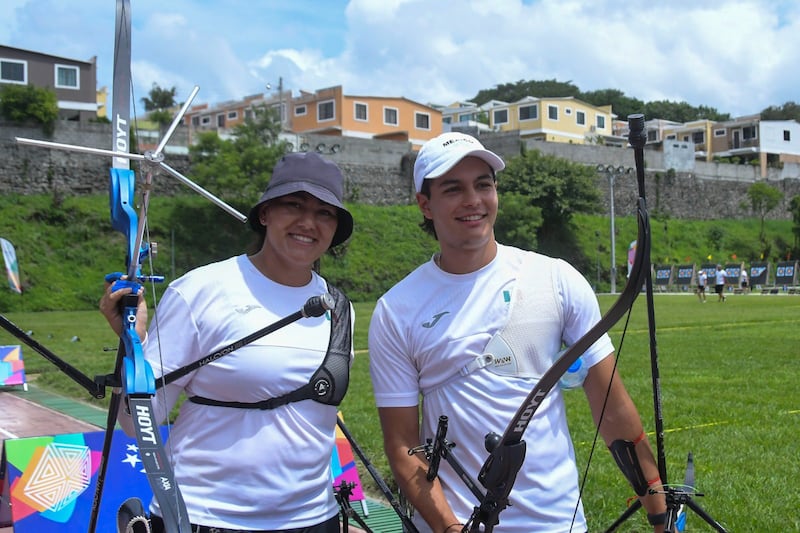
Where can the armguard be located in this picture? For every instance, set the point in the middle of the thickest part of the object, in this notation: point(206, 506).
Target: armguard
point(624, 452)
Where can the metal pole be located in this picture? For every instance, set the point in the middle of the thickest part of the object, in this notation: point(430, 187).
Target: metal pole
point(280, 100)
point(613, 237)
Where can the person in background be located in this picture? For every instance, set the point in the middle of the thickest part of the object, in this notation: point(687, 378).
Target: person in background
point(240, 466)
point(719, 283)
point(433, 339)
point(743, 280)
point(702, 281)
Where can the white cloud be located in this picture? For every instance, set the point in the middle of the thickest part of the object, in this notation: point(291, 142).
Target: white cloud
point(738, 56)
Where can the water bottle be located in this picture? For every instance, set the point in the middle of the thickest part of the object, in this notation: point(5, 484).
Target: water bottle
point(574, 376)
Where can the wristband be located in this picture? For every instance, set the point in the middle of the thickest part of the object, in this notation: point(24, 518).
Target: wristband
point(657, 519)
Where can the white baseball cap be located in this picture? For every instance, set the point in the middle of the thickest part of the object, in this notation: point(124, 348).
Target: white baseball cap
point(440, 154)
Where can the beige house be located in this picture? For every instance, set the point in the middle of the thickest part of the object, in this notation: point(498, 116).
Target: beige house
point(554, 119)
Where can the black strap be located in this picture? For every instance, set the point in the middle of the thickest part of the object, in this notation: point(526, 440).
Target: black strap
point(329, 382)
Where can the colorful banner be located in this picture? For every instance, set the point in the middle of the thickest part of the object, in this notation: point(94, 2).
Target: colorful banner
point(343, 465)
point(50, 481)
point(12, 269)
point(12, 367)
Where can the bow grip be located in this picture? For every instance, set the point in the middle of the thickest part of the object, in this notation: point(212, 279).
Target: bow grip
point(498, 476)
point(137, 373)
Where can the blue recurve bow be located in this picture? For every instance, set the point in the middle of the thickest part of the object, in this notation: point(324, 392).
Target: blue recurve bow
point(131, 371)
point(132, 374)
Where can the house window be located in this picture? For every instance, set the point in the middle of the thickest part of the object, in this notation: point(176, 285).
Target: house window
point(300, 110)
point(528, 112)
point(671, 137)
point(652, 136)
point(719, 133)
point(422, 121)
point(698, 137)
point(787, 135)
point(205, 121)
point(466, 117)
point(325, 110)
point(580, 118)
point(13, 71)
point(749, 132)
point(233, 115)
point(601, 122)
point(568, 111)
point(390, 116)
point(67, 77)
point(500, 116)
point(360, 111)
point(552, 112)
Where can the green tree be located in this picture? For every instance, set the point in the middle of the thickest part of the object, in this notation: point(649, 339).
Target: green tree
point(763, 199)
point(517, 221)
point(621, 105)
point(681, 111)
point(551, 188)
point(788, 111)
point(239, 169)
point(511, 92)
point(794, 209)
point(158, 103)
point(22, 103)
point(159, 98)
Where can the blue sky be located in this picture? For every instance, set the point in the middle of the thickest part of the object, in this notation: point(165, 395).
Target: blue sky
point(736, 56)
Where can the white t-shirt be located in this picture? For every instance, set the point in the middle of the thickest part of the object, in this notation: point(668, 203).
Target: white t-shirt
point(432, 324)
point(244, 468)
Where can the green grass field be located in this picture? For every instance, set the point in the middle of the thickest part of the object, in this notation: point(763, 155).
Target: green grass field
point(728, 381)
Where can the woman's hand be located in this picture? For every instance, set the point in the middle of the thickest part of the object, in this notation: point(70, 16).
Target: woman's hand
point(110, 307)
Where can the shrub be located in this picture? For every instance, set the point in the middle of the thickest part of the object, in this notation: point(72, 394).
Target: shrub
point(26, 103)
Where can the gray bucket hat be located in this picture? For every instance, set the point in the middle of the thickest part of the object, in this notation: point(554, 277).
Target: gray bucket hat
point(311, 173)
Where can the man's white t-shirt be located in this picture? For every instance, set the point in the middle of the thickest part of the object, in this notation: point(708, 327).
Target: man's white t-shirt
point(431, 325)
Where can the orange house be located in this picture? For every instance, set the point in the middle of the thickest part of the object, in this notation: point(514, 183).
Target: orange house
point(331, 112)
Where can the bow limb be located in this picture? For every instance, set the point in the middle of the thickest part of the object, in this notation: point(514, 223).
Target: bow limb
point(505, 459)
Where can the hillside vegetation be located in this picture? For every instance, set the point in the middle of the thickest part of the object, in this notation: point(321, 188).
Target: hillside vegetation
point(65, 246)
